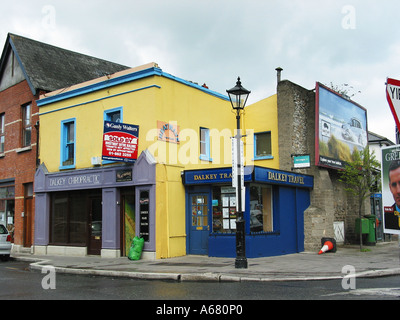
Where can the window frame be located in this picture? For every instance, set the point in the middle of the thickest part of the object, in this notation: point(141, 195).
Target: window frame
point(26, 124)
point(207, 144)
point(107, 117)
point(108, 112)
point(262, 157)
point(65, 144)
point(2, 132)
point(273, 223)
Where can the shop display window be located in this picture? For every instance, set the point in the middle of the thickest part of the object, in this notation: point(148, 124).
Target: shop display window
point(70, 217)
point(224, 210)
point(261, 213)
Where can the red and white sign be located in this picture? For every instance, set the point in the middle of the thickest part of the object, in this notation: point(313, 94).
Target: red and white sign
point(393, 97)
point(120, 142)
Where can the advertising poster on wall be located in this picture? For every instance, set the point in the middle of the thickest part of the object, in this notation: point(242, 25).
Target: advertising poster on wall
point(391, 189)
point(120, 142)
point(341, 128)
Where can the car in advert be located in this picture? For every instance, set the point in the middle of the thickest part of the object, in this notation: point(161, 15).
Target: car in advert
point(5, 243)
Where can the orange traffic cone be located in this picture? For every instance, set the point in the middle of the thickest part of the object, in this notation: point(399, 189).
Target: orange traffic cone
point(328, 245)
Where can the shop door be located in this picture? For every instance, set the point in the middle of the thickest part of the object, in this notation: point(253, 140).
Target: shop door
point(128, 222)
point(95, 226)
point(198, 219)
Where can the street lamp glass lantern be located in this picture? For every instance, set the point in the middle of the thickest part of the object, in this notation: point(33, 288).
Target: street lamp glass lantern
point(238, 96)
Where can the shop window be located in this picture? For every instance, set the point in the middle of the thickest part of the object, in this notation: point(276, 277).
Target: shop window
point(68, 139)
point(262, 146)
point(69, 217)
point(205, 144)
point(261, 213)
point(2, 132)
point(224, 210)
point(59, 219)
point(26, 125)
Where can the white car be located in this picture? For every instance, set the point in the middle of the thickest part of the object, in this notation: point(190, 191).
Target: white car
point(5, 243)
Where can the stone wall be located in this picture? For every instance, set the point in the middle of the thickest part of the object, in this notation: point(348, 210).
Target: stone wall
point(297, 134)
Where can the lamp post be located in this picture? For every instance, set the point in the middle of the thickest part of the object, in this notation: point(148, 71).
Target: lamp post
point(238, 97)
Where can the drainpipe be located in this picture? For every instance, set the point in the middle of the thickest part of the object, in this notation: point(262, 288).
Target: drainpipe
point(37, 144)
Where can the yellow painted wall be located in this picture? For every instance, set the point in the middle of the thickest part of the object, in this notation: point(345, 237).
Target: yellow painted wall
point(173, 102)
point(260, 117)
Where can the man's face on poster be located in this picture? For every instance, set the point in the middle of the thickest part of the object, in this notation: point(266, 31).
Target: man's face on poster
point(394, 185)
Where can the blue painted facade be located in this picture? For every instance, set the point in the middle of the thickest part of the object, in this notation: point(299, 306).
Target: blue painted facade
point(290, 198)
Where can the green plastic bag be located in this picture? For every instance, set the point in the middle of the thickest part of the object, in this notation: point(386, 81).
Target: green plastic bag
point(136, 249)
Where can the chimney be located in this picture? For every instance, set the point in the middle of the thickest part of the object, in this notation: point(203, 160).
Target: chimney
point(278, 73)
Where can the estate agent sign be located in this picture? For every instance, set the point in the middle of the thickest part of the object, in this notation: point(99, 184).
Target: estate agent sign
point(120, 141)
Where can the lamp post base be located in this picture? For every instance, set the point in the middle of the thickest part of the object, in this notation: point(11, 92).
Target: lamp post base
point(241, 260)
point(241, 263)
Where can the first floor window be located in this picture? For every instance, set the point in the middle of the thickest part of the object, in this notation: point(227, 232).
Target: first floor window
point(205, 144)
point(114, 115)
point(68, 143)
point(2, 133)
point(261, 209)
point(262, 145)
point(26, 125)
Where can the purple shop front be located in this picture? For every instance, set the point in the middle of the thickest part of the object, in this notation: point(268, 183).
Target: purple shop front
point(95, 211)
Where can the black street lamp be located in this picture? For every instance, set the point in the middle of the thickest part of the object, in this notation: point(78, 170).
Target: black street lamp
point(238, 97)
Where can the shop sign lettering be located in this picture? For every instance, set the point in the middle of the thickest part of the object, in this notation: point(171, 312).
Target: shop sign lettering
point(213, 176)
point(285, 177)
point(90, 179)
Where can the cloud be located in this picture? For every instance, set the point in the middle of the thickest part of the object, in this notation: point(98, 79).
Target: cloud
point(216, 41)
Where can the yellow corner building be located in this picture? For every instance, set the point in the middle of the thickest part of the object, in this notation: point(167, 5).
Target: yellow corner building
point(178, 193)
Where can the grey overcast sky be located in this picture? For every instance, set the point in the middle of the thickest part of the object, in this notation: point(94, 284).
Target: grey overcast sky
point(353, 43)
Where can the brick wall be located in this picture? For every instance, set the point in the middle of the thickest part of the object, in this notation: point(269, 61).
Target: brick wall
point(18, 163)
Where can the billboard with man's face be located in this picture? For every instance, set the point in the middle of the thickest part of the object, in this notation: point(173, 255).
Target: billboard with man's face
point(341, 128)
point(391, 189)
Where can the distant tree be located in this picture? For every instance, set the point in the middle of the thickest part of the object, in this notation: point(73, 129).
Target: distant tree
point(361, 178)
point(345, 90)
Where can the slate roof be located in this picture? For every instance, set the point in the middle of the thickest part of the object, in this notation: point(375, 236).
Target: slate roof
point(49, 68)
point(376, 138)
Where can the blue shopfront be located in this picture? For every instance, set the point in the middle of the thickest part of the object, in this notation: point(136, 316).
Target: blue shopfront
point(275, 202)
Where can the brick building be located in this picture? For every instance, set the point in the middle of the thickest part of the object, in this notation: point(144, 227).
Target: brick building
point(29, 68)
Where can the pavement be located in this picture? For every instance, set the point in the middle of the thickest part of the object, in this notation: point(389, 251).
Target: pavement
point(382, 260)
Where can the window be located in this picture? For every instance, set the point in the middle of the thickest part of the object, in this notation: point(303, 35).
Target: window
point(261, 213)
point(205, 144)
point(69, 217)
point(68, 144)
point(26, 125)
point(224, 210)
point(262, 145)
point(114, 115)
point(2, 132)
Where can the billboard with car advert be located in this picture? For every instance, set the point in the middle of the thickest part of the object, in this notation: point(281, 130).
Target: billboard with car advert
point(341, 128)
point(120, 142)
